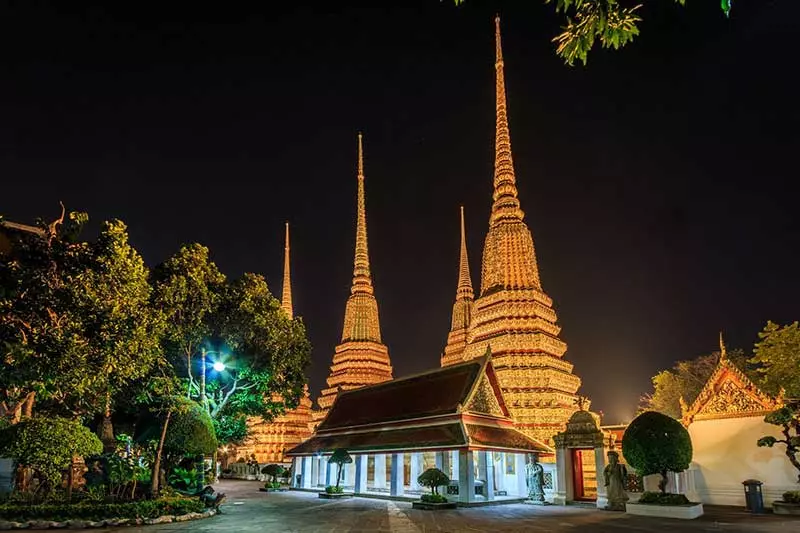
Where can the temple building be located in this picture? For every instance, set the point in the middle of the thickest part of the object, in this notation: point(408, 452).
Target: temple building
point(361, 358)
point(269, 441)
point(513, 315)
point(462, 308)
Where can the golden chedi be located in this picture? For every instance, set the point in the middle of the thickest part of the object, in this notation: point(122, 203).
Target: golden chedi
point(361, 358)
point(513, 315)
point(462, 308)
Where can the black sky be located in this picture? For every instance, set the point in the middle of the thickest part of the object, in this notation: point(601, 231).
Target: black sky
point(658, 182)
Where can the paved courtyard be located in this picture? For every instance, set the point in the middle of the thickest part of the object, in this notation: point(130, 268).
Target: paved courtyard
point(248, 510)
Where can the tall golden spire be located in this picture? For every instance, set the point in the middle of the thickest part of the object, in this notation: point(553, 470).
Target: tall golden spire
point(462, 308)
point(723, 353)
point(464, 289)
point(513, 314)
point(506, 203)
point(286, 300)
point(361, 358)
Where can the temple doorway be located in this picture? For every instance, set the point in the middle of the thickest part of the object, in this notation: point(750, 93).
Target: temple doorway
point(584, 474)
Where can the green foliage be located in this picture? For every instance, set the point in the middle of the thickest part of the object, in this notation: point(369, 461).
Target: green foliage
point(74, 319)
point(686, 379)
point(330, 489)
point(588, 21)
point(791, 496)
point(97, 511)
point(48, 445)
point(184, 479)
point(787, 418)
point(230, 428)
point(433, 498)
point(659, 498)
point(433, 478)
point(654, 443)
point(190, 432)
point(777, 354)
point(274, 471)
point(272, 485)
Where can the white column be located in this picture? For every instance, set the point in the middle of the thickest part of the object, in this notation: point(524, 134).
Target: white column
point(293, 482)
point(330, 472)
point(500, 476)
point(322, 470)
point(600, 465)
point(439, 458)
point(396, 487)
point(305, 480)
point(519, 468)
point(486, 474)
point(454, 464)
point(564, 490)
point(314, 470)
point(466, 476)
point(360, 485)
point(416, 470)
point(380, 471)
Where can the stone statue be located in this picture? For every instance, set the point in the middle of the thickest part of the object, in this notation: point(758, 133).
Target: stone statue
point(615, 475)
point(534, 477)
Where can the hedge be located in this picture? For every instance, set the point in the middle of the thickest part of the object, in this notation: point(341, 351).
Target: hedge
point(101, 511)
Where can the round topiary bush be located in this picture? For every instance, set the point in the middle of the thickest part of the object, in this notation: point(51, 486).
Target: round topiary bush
point(433, 478)
point(656, 444)
point(48, 445)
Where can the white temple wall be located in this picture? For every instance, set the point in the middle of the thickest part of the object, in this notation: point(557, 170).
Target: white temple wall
point(725, 454)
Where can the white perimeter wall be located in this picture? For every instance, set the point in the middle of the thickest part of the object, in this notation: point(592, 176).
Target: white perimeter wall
point(725, 454)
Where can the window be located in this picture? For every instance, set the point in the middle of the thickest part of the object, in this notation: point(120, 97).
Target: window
point(511, 464)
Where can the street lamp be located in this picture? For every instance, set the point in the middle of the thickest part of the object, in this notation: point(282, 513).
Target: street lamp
point(219, 366)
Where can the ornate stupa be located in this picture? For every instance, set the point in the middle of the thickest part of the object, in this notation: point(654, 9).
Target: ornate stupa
point(361, 358)
point(270, 440)
point(462, 308)
point(513, 315)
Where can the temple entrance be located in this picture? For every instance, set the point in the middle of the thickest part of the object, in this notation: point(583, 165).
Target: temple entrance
point(584, 474)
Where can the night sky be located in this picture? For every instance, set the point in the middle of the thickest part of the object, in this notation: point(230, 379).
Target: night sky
point(658, 181)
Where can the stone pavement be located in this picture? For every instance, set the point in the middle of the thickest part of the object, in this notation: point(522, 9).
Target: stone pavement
point(248, 511)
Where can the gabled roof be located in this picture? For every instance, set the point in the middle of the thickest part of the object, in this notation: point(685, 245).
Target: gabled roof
point(458, 406)
point(729, 393)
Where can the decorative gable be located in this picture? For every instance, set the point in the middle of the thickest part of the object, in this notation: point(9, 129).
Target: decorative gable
point(729, 393)
point(484, 399)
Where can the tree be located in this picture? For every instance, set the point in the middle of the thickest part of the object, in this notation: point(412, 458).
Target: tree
point(589, 21)
point(187, 289)
point(340, 457)
point(788, 419)
point(266, 372)
point(48, 445)
point(191, 432)
point(75, 323)
point(274, 471)
point(656, 444)
point(777, 355)
point(433, 478)
point(685, 381)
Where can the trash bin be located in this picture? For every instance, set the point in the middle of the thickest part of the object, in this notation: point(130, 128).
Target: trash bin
point(754, 499)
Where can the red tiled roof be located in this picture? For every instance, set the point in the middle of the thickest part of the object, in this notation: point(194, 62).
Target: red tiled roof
point(415, 438)
point(501, 437)
point(431, 394)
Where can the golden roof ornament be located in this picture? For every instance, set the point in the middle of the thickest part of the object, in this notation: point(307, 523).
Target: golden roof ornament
point(462, 308)
point(723, 353)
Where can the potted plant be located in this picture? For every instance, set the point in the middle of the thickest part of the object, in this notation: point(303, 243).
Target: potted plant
point(789, 505)
point(340, 457)
point(273, 471)
point(433, 478)
point(655, 443)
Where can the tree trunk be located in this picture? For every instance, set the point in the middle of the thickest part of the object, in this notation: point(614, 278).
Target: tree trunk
point(27, 410)
point(106, 429)
point(338, 475)
point(70, 479)
point(662, 484)
point(157, 462)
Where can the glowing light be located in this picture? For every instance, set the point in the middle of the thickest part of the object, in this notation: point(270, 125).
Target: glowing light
point(219, 366)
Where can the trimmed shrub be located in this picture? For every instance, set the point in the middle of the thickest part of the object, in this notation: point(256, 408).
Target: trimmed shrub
point(48, 445)
point(332, 489)
point(274, 471)
point(340, 457)
point(433, 498)
point(664, 499)
point(433, 478)
point(655, 443)
point(100, 511)
point(791, 496)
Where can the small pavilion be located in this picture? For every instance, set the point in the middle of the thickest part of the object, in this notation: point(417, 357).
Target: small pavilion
point(453, 418)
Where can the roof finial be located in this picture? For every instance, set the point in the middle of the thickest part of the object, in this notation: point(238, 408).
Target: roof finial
point(723, 353)
point(286, 300)
point(360, 157)
point(362, 279)
point(506, 203)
